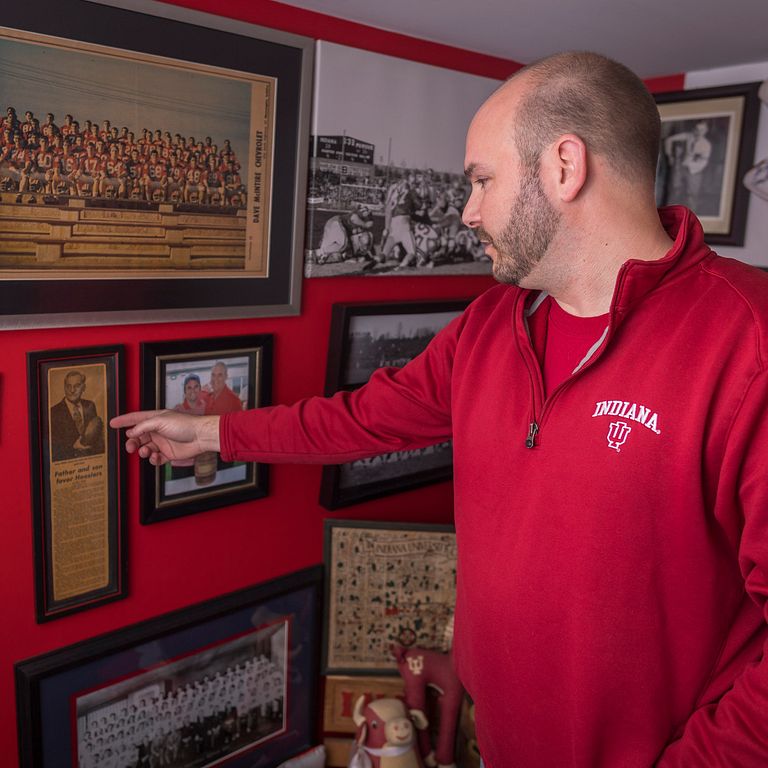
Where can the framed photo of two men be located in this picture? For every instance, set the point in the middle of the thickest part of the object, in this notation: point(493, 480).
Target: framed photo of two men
point(152, 164)
point(204, 377)
point(78, 478)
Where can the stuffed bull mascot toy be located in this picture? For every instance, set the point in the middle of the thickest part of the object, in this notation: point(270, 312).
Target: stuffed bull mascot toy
point(386, 735)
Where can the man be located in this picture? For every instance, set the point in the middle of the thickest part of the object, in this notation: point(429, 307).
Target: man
point(607, 404)
point(219, 398)
point(234, 191)
point(194, 189)
point(63, 172)
point(112, 175)
point(86, 179)
point(154, 178)
point(194, 401)
point(13, 164)
point(688, 155)
point(11, 121)
point(49, 128)
point(348, 235)
point(76, 429)
point(213, 180)
point(399, 206)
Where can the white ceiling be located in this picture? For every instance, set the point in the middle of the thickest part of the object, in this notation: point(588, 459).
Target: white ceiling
point(652, 37)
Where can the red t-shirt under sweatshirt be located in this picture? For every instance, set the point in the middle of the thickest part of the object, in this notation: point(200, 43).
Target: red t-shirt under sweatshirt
point(562, 341)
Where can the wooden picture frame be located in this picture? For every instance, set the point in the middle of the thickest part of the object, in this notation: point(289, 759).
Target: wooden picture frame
point(708, 138)
point(385, 583)
point(78, 478)
point(365, 337)
point(204, 376)
point(257, 647)
point(143, 237)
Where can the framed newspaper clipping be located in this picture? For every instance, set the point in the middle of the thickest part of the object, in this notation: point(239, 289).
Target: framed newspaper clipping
point(204, 377)
point(386, 583)
point(152, 164)
point(78, 478)
point(229, 681)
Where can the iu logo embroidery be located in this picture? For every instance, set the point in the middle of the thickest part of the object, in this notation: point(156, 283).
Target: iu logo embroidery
point(618, 432)
point(415, 664)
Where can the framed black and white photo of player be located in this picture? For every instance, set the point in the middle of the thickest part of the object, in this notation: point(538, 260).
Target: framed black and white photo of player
point(365, 337)
point(152, 164)
point(386, 185)
point(204, 377)
point(385, 583)
point(232, 680)
point(708, 140)
point(78, 478)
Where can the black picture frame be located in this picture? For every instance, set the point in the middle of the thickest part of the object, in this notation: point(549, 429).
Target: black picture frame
point(354, 482)
point(78, 479)
point(29, 298)
point(707, 146)
point(59, 693)
point(377, 574)
point(243, 365)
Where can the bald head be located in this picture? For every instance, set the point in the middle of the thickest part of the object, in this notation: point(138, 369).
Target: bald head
point(601, 101)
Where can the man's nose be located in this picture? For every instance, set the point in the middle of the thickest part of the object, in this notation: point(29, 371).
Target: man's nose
point(471, 215)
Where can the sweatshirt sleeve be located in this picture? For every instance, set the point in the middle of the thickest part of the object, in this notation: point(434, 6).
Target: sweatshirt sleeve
point(732, 731)
point(398, 409)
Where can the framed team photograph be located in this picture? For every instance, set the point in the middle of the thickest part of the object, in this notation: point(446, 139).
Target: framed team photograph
point(365, 337)
point(708, 140)
point(386, 186)
point(386, 583)
point(152, 162)
point(204, 377)
point(78, 478)
point(229, 681)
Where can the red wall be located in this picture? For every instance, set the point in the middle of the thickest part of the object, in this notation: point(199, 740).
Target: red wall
point(194, 558)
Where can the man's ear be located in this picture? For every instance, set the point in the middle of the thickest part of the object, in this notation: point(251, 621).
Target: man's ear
point(568, 157)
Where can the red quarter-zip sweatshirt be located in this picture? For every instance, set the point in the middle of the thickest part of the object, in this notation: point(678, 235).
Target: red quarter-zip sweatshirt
point(613, 537)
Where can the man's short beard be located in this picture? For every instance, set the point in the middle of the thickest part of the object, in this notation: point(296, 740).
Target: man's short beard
point(528, 233)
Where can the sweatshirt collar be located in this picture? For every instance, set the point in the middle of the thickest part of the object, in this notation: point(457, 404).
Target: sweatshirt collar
point(637, 278)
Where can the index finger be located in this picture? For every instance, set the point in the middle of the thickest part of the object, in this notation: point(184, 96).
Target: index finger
point(131, 419)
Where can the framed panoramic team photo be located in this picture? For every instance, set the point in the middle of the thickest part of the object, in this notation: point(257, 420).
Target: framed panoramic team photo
point(365, 337)
point(708, 140)
point(204, 377)
point(149, 164)
point(78, 478)
point(229, 681)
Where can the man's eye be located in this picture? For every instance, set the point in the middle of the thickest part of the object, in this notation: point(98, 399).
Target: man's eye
point(481, 182)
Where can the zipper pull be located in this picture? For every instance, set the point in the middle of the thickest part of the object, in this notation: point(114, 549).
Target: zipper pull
point(533, 430)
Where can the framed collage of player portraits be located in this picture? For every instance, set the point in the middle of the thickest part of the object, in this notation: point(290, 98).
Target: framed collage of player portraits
point(365, 337)
point(78, 478)
point(204, 377)
point(385, 583)
point(152, 164)
point(231, 680)
point(708, 138)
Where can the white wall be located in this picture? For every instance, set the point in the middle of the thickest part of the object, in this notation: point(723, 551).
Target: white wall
point(755, 250)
